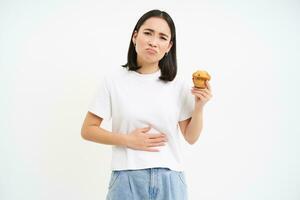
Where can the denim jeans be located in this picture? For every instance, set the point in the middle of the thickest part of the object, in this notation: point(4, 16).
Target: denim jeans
point(147, 184)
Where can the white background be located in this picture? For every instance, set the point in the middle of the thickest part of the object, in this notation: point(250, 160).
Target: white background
point(53, 53)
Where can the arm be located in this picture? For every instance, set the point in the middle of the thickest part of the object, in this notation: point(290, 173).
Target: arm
point(191, 128)
point(92, 131)
point(138, 139)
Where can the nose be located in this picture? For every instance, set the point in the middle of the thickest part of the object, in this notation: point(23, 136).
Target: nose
point(152, 42)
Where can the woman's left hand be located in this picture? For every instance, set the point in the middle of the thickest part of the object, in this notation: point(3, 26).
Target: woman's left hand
point(202, 96)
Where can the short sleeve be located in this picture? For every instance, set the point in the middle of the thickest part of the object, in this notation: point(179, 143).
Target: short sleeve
point(100, 104)
point(186, 102)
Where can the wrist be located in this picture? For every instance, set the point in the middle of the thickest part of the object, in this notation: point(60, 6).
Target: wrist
point(199, 108)
point(124, 140)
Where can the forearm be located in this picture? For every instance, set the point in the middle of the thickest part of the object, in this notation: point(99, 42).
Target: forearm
point(194, 127)
point(102, 136)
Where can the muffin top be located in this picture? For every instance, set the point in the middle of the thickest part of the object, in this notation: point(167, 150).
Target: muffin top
point(201, 74)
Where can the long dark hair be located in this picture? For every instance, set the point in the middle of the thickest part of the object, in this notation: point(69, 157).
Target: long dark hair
point(168, 64)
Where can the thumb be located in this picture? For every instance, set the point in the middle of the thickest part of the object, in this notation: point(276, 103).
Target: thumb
point(146, 128)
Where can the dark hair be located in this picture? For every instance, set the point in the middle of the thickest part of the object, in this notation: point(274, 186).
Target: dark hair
point(168, 64)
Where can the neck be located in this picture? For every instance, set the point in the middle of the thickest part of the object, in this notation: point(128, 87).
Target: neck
point(148, 69)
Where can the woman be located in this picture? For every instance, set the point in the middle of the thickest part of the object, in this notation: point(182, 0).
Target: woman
point(146, 104)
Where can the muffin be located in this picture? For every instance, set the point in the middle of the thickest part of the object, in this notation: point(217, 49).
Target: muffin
point(199, 78)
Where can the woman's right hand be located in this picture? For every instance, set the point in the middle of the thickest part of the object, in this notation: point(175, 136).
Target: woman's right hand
point(139, 139)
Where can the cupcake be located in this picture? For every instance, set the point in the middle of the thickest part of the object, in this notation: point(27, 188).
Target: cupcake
point(199, 79)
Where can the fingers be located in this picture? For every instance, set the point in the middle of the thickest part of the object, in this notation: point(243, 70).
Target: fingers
point(194, 89)
point(156, 144)
point(155, 140)
point(158, 140)
point(149, 147)
point(156, 135)
point(203, 92)
point(151, 150)
point(145, 129)
point(145, 141)
point(151, 135)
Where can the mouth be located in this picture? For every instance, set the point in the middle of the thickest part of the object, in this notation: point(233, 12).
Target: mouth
point(151, 51)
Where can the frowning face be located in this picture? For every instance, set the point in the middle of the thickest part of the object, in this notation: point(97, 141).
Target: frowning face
point(152, 41)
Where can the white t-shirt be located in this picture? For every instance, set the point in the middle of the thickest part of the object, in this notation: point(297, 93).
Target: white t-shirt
point(133, 100)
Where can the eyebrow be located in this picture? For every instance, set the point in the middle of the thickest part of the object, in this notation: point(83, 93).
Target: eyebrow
point(151, 30)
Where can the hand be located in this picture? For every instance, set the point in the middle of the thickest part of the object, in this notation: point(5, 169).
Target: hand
point(140, 140)
point(202, 96)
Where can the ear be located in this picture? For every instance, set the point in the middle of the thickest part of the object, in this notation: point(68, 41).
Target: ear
point(134, 35)
point(170, 46)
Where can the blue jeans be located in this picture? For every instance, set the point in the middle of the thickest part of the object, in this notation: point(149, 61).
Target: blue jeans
point(147, 184)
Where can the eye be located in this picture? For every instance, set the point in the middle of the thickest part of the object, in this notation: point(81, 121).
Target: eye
point(147, 33)
point(163, 38)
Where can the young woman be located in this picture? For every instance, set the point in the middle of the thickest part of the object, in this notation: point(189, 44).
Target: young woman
point(146, 103)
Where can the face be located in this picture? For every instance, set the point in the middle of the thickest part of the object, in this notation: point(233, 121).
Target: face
point(152, 41)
